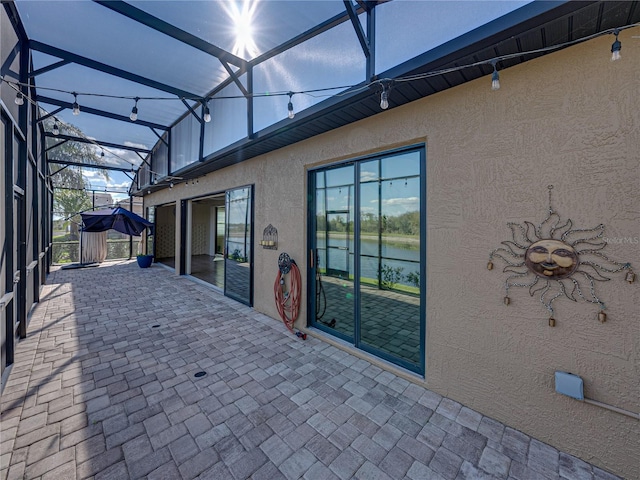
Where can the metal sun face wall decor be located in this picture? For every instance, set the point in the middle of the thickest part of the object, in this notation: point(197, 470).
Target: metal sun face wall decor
point(554, 259)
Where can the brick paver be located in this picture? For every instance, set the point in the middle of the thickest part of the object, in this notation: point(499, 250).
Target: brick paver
point(104, 387)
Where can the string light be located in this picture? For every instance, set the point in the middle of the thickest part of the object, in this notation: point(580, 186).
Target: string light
point(102, 154)
point(291, 113)
point(384, 96)
point(348, 89)
point(76, 107)
point(207, 114)
point(134, 111)
point(615, 47)
point(495, 77)
point(351, 89)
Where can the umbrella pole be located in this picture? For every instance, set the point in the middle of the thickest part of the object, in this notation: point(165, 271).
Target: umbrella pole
point(81, 235)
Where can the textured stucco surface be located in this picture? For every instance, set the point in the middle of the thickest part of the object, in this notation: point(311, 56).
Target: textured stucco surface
point(570, 119)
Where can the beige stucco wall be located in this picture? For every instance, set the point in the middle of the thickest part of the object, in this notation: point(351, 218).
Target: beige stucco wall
point(570, 119)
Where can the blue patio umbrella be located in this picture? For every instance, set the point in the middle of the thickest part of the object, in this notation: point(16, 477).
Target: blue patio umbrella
point(118, 219)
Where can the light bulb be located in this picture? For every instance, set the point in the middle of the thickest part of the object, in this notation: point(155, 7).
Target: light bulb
point(291, 114)
point(384, 99)
point(76, 107)
point(19, 99)
point(55, 129)
point(207, 114)
point(615, 51)
point(171, 185)
point(495, 79)
point(615, 47)
point(134, 111)
point(102, 153)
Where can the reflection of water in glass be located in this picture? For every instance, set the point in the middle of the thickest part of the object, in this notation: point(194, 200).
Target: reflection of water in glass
point(396, 255)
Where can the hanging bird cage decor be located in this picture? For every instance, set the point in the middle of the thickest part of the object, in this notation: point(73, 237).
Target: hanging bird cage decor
point(269, 238)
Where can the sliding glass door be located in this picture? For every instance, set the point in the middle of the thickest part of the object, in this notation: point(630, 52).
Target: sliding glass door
point(238, 257)
point(368, 237)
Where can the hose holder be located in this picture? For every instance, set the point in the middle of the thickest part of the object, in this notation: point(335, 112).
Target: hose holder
point(284, 263)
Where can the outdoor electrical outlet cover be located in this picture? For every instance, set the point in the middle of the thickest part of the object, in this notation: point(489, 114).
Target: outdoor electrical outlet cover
point(570, 385)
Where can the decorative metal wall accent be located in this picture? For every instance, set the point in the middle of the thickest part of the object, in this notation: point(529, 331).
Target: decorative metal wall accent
point(270, 238)
point(554, 259)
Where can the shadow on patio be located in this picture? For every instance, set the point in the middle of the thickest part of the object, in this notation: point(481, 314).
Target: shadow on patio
point(104, 386)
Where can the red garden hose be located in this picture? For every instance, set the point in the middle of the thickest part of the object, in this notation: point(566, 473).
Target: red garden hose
point(288, 303)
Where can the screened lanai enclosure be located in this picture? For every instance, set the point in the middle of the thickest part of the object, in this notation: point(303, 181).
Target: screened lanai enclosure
point(144, 96)
point(379, 144)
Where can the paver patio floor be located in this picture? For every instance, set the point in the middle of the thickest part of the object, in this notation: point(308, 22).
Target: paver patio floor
point(103, 387)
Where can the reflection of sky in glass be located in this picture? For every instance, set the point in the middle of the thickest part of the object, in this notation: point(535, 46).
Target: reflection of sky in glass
point(339, 176)
point(404, 165)
point(239, 218)
point(370, 171)
point(320, 201)
point(400, 189)
point(339, 198)
point(398, 197)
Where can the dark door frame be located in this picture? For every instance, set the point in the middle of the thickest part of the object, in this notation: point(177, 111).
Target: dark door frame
point(312, 257)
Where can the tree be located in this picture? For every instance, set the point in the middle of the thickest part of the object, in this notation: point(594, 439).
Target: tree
point(70, 196)
point(69, 202)
point(70, 151)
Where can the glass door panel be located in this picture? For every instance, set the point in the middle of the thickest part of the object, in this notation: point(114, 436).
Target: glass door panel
point(334, 275)
point(238, 241)
point(150, 235)
point(220, 225)
point(390, 229)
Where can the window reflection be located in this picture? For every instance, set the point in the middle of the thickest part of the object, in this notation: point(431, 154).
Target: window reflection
point(390, 256)
point(238, 244)
point(335, 249)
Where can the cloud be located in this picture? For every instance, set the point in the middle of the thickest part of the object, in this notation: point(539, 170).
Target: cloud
point(136, 145)
point(120, 157)
point(119, 185)
point(403, 201)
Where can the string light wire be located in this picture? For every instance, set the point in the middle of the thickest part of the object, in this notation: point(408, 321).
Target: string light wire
point(56, 128)
point(350, 88)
